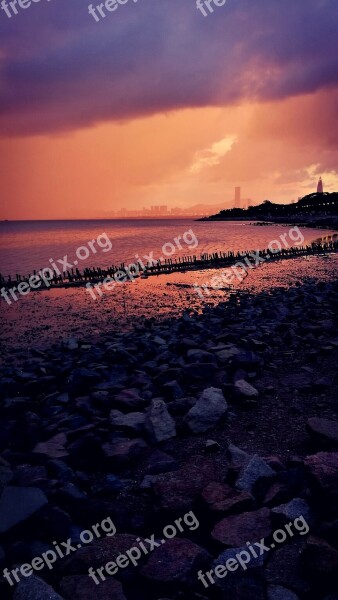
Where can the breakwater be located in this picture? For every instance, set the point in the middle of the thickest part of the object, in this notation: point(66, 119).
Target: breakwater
point(76, 278)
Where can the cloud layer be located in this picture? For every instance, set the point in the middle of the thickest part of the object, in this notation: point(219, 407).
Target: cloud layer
point(60, 70)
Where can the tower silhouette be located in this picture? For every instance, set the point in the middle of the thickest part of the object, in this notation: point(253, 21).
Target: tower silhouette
point(320, 189)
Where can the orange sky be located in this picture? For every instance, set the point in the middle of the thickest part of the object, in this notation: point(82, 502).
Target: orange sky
point(272, 150)
point(159, 105)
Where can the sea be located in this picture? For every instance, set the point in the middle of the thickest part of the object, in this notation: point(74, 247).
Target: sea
point(42, 317)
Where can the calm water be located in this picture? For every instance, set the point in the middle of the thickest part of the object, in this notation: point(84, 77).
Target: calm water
point(29, 245)
point(41, 318)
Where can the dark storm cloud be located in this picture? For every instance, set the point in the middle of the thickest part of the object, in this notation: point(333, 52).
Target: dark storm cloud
point(60, 70)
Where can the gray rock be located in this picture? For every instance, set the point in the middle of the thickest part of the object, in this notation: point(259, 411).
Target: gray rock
point(159, 423)
point(198, 355)
point(244, 389)
point(160, 462)
point(176, 561)
point(324, 430)
point(134, 421)
point(238, 458)
point(34, 588)
point(124, 451)
point(233, 553)
point(236, 530)
point(294, 509)
point(53, 448)
point(253, 473)
point(277, 592)
point(227, 353)
point(208, 410)
point(17, 504)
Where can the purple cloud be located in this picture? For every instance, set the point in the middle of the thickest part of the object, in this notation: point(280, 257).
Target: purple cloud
point(60, 70)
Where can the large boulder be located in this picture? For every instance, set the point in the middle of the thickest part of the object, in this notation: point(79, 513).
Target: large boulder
point(176, 560)
point(236, 530)
point(208, 410)
point(17, 504)
point(34, 588)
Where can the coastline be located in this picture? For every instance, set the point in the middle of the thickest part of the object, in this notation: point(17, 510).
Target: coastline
point(306, 221)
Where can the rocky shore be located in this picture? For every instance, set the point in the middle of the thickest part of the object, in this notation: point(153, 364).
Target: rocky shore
point(231, 414)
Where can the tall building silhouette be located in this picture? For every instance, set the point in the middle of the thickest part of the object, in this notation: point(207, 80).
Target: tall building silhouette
point(320, 189)
point(237, 197)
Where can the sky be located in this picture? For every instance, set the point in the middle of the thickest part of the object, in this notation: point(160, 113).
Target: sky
point(158, 104)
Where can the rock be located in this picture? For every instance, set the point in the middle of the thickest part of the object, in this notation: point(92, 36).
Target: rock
point(254, 475)
point(148, 482)
point(172, 391)
point(71, 344)
point(231, 553)
point(173, 374)
point(160, 462)
point(129, 398)
point(17, 504)
point(221, 497)
point(294, 509)
point(323, 383)
point(197, 355)
point(237, 457)
point(320, 557)
point(246, 359)
point(243, 389)
point(323, 430)
point(207, 412)
point(212, 446)
point(285, 568)
point(227, 353)
point(298, 381)
point(277, 592)
point(34, 588)
point(237, 530)
point(181, 406)
point(124, 451)
point(322, 469)
point(134, 421)
point(99, 553)
point(177, 560)
point(179, 489)
point(198, 372)
point(54, 447)
point(26, 475)
point(159, 341)
point(278, 493)
point(81, 380)
point(83, 587)
point(159, 423)
point(86, 452)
